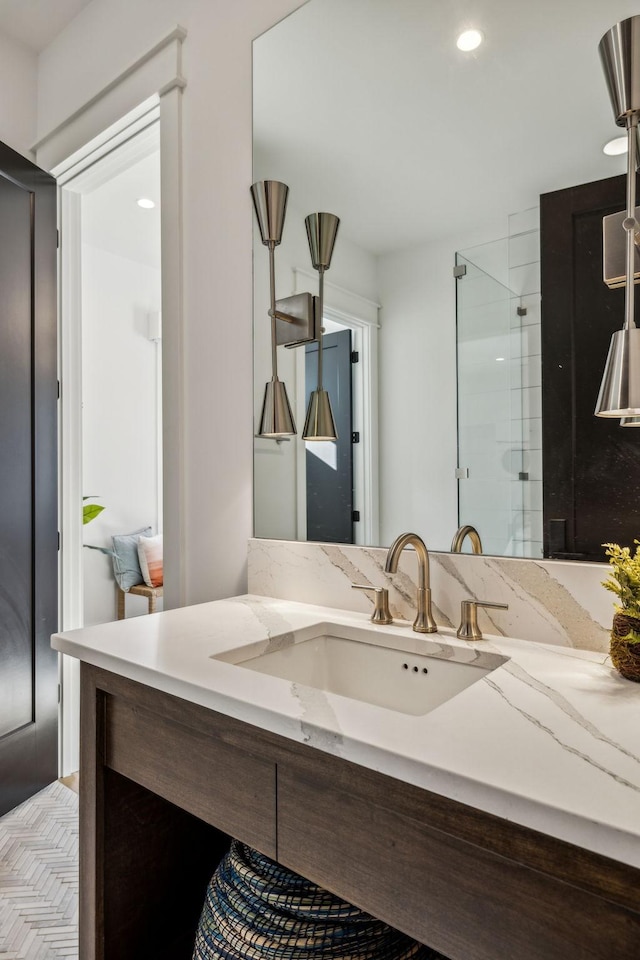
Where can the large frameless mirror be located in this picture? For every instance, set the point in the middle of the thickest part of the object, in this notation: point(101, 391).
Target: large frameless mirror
point(434, 159)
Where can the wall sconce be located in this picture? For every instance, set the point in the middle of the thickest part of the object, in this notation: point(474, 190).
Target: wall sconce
point(322, 230)
point(620, 54)
point(270, 203)
point(294, 320)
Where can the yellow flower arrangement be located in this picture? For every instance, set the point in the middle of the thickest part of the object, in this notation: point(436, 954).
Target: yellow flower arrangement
point(625, 579)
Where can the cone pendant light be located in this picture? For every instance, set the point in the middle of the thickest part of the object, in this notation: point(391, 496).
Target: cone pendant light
point(270, 204)
point(620, 53)
point(322, 229)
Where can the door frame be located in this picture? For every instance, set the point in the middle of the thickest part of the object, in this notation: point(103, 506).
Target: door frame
point(135, 137)
point(347, 309)
point(153, 83)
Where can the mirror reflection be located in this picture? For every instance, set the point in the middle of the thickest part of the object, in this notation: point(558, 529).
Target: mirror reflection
point(434, 159)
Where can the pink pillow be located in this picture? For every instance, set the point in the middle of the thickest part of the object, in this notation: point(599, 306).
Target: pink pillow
point(150, 557)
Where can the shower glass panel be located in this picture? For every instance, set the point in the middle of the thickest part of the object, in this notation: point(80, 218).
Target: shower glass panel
point(491, 470)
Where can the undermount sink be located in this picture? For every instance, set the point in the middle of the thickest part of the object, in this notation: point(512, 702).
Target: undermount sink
point(367, 665)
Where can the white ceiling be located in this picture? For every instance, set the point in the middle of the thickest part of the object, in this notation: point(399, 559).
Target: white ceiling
point(367, 109)
point(36, 22)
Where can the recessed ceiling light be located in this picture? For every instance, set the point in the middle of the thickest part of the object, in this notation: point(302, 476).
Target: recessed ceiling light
point(469, 40)
point(145, 203)
point(499, 359)
point(615, 147)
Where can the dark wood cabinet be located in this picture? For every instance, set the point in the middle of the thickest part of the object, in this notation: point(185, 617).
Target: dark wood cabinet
point(217, 781)
point(465, 899)
point(166, 783)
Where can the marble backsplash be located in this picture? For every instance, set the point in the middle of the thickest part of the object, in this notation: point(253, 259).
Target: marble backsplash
point(550, 601)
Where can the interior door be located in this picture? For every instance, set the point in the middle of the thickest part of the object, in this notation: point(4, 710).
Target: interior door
point(590, 463)
point(28, 476)
point(329, 464)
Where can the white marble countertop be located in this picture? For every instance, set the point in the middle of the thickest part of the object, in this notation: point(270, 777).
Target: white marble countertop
point(549, 740)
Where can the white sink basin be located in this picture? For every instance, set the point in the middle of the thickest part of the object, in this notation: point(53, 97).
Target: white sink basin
point(371, 666)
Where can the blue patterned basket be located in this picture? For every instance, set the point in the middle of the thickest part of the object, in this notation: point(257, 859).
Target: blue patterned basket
point(257, 910)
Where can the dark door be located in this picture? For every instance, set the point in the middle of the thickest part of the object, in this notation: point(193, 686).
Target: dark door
point(330, 464)
point(28, 472)
point(590, 464)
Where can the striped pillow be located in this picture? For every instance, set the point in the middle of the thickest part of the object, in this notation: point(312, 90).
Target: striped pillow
point(150, 557)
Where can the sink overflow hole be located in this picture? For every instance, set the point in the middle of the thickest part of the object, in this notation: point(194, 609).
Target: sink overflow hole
point(405, 666)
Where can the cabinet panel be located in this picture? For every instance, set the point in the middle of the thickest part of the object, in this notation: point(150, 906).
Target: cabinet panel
point(471, 885)
point(459, 898)
point(218, 782)
point(157, 864)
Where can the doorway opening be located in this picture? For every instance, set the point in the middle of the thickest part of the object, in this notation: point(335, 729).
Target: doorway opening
point(329, 475)
point(361, 408)
point(111, 398)
point(121, 373)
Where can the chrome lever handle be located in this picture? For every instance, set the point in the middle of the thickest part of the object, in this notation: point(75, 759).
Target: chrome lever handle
point(381, 612)
point(469, 629)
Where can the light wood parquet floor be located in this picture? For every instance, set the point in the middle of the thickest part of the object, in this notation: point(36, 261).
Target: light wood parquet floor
point(39, 877)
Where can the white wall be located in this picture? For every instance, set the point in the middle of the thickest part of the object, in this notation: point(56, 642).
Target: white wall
point(353, 268)
point(418, 403)
point(120, 429)
point(18, 81)
point(96, 47)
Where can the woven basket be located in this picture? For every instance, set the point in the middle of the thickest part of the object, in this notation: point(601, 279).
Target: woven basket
point(625, 655)
point(256, 909)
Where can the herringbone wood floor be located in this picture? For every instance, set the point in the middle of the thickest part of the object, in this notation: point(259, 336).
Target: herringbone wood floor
point(39, 877)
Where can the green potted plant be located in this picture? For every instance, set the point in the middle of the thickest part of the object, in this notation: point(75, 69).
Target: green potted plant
point(624, 581)
point(90, 510)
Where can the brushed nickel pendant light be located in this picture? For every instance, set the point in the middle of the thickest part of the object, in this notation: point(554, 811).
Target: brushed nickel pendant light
point(270, 203)
point(620, 54)
point(322, 229)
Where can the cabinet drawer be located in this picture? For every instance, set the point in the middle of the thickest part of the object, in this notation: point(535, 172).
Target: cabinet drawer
point(216, 781)
point(459, 898)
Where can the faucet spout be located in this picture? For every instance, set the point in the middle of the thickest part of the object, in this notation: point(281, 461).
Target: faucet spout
point(424, 622)
point(459, 537)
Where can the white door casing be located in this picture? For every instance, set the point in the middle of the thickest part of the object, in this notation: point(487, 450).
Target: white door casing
point(148, 92)
point(350, 310)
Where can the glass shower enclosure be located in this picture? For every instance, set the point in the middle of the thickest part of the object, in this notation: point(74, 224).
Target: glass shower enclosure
point(499, 437)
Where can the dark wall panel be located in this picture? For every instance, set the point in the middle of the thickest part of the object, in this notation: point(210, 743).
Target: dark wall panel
point(590, 464)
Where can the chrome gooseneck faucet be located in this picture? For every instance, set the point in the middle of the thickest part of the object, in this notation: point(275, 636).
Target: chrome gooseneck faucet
point(424, 622)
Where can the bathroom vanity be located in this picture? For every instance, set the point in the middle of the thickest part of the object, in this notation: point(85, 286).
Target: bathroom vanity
point(503, 823)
